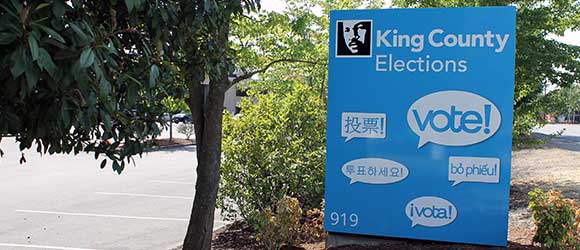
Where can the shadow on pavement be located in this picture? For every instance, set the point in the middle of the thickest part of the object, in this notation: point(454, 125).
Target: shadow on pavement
point(567, 142)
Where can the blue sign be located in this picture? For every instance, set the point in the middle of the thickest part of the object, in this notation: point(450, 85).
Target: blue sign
point(420, 123)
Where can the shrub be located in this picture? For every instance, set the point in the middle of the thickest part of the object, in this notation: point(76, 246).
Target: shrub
point(557, 220)
point(312, 228)
point(281, 227)
point(275, 148)
point(186, 128)
point(287, 227)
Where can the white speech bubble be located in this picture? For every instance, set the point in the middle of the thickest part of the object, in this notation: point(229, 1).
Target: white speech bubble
point(374, 171)
point(473, 169)
point(430, 211)
point(363, 125)
point(453, 118)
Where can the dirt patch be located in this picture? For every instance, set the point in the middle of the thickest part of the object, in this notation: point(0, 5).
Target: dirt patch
point(237, 236)
point(546, 168)
point(165, 142)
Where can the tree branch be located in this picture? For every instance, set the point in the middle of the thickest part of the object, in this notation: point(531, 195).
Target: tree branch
point(264, 69)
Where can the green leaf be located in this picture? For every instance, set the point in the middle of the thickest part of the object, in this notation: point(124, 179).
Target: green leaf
point(164, 15)
point(87, 58)
point(88, 28)
point(45, 62)
point(138, 3)
point(105, 87)
point(107, 121)
point(153, 75)
point(41, 6)
point(111, 48)
point(6, 25)
point(33, 44)
point(130, 5)
point(53, 34)
point(17, 69)
point(31, 78)
point(9, 11)
point(7, 38)
point(118, 168)
point(133, 79)
point(17, 5)
point(65, 114)
point(19, 64)
point(79, 32)
point(103, 163)
point(132, 93)
point(59, 8)
point(76, 3)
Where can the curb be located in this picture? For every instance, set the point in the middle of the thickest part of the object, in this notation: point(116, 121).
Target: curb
point(179, 245)
point(160, 148)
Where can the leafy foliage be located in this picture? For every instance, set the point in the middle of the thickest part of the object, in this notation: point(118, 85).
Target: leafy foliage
point(298, 33)
point(539, 59)
point(276, 148)
point(78, 73)
point(562, 100)
point(186, 129)
point(174, 105)
point(557, 219)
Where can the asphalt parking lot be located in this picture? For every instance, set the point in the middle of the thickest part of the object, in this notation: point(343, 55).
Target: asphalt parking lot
point(67, 202)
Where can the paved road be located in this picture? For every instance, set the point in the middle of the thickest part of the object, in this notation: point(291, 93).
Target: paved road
point(68, 203)
point(572, 130)
point(569, 139)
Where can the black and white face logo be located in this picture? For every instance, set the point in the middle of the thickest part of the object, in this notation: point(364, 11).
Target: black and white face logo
point(353, 38)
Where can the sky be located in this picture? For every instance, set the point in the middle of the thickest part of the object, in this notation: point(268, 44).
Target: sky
point(569, 37)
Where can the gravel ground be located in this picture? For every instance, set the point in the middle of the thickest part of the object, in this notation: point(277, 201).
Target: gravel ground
point(546, 168)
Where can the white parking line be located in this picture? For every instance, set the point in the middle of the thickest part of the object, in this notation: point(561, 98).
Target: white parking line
point(43, 247)
point(173, 182)
point(147, 195)
point(102, 215)
point(111, 216)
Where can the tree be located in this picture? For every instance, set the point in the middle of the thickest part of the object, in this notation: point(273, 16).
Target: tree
point(539, 59)
point(76, 74)
point(172, 106)
point(83, 72)
point(563, 100)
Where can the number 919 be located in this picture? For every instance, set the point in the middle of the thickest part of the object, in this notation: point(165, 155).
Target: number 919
point(342, 218)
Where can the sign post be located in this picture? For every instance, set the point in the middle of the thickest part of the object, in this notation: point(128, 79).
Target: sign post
point(419, 129)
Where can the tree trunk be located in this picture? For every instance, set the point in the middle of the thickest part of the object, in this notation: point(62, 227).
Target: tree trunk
point(200, 228)
point(207, 114)
point(170, 128)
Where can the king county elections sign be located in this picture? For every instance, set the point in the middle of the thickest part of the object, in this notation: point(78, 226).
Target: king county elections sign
point(420, 123)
